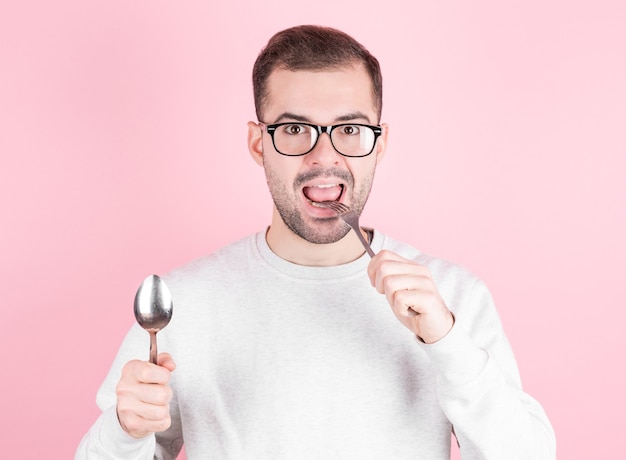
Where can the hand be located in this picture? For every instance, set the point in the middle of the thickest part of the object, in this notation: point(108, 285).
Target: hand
point(143, 396)
point(409, 286)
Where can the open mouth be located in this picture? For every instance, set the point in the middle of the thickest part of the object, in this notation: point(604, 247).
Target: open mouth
point(323, 192)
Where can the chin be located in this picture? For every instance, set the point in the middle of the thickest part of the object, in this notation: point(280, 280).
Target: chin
point(323, 240)
point(325, 231)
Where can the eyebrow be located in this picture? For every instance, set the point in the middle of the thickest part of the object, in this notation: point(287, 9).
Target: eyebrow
point(347, 117)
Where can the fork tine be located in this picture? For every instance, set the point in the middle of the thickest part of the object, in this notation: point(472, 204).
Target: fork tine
point(336, 206)
point(351, 218)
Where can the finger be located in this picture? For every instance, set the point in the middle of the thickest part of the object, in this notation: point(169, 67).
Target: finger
point(408, 302)
point(143, 408)
point(407, 283)
point(129, 405)
point(147, 372)
point(403, 281)
point(138, 427)
point(131, 393)
point(417, 291)
point(381, 256)
point(393, 271)
point(390, 265)
point(374, 266)
point(155, 394)
point(136, 371)
point(166, 361)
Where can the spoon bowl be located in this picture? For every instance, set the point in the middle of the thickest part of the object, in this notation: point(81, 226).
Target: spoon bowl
point(153, 309)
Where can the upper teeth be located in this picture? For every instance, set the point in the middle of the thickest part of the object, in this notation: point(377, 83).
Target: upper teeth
point(325, 185)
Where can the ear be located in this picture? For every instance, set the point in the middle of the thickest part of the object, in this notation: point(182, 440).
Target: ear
point(255, 142)
point(381, 144)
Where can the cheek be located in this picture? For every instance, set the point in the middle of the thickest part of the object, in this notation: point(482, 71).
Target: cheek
point(279, 174)
point(363, 174)
point(364, 179)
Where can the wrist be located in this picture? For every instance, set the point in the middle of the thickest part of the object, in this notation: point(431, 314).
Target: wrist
point(441, 332)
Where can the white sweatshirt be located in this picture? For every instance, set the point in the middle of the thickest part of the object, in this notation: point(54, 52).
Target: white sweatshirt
point(282, 361)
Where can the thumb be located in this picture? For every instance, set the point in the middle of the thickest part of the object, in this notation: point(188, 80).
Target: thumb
point(166, 361)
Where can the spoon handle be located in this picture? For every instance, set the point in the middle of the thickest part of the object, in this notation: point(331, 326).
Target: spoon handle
point(153, 347)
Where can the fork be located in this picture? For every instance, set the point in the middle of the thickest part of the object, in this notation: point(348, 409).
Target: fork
point(349, 217)
point(352, 219)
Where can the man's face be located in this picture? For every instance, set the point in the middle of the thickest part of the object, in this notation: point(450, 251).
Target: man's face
point(323, 98)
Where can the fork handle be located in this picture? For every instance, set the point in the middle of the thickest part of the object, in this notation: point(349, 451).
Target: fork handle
point(369, 250)
point(364, 242)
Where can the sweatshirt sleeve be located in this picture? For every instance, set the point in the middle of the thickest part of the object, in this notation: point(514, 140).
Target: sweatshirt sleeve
point(480, 391)
point(106, 440)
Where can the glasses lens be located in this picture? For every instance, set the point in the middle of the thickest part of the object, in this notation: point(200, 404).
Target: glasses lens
point(353, 140)
point(294, 138)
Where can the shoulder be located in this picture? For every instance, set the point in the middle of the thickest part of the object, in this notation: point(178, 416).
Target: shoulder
point(463, 292)
point(216, 265)
point(443, 270)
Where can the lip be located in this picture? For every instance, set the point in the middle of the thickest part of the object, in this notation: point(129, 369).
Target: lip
point(322, 182)
point(318, 211)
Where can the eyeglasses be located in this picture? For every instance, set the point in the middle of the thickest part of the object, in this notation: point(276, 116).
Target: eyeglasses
point(348, 139)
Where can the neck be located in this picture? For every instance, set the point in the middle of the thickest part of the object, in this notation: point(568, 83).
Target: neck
point(293, 248)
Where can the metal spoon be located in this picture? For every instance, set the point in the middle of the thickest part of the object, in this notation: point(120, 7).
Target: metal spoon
point(153, 309)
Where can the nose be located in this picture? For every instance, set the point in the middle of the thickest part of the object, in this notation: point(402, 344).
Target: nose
point(323, 154)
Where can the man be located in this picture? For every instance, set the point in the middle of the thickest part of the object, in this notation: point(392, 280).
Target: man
point(292, 343)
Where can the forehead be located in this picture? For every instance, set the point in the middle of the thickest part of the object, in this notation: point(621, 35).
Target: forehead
point(320, 96)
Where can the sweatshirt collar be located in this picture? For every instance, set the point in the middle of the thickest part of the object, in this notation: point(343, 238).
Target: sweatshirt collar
point(355, 268)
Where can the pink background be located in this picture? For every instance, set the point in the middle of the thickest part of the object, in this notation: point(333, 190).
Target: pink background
point(122, 133)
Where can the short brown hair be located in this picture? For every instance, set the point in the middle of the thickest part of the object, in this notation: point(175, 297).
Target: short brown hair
point(310, 47)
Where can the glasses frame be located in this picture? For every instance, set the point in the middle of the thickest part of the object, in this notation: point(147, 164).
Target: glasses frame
point(271, 129)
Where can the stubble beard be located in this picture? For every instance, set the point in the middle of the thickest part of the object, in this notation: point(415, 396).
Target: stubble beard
point(322, 230)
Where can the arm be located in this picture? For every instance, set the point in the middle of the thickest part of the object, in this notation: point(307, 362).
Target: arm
point(479, 387)
point(135, 400)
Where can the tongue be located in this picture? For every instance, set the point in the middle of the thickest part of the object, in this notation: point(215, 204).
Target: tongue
point(318, 194)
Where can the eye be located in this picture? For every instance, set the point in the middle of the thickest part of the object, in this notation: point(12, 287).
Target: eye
point(295, 129)
point(350, 130)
